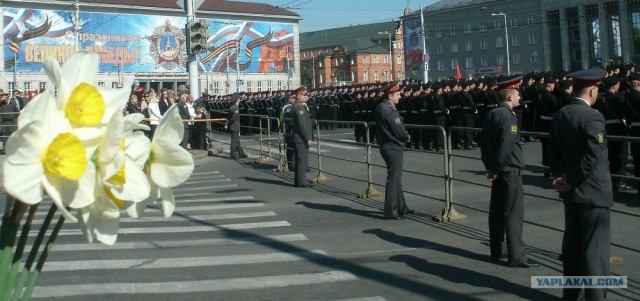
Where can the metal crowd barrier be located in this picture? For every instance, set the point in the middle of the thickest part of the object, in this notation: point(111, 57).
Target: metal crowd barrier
point(449, 213)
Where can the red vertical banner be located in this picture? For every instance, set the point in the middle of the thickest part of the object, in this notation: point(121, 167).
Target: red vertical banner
point(458, 73)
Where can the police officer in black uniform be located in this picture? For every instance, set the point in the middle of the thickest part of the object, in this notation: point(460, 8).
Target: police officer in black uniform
point(302, 136)
point(233, 125)
point(503, 159)
point(392, 136)
point(578, 158)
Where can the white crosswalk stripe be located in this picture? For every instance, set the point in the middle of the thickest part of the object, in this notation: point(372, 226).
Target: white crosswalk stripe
point(210, 229)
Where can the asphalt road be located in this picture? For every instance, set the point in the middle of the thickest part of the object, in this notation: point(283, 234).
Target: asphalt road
point(242, 232)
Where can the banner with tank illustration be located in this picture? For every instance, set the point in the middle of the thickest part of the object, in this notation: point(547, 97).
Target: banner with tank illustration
point(137, 43)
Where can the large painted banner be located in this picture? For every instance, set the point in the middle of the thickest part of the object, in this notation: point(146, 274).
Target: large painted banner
point(136, 43)
point(413, 49)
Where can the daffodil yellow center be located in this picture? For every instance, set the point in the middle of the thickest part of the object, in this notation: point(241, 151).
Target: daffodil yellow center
point(120, 203)
point(65, 157)
point(86, 106)
point(119, 178)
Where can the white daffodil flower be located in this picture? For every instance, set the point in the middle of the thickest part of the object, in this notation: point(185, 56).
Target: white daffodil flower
point(83, 103)
point(121, 180)
point(168, 166)
point(46, 153)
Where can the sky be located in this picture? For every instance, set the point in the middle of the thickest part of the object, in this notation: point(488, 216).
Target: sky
point(325, 14)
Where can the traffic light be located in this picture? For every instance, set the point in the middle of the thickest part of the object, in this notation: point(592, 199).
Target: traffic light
point(194, 37)
point(197, 36)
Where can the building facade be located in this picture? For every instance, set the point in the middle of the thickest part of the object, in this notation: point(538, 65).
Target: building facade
point(352, 55)
point(493, 37)
point(252, 47)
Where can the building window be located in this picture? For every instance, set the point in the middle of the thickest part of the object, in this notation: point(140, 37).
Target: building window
point(483, 43)
point(42, 86)
point(365, 76)
point(399, 76)
point(279, 85)
point(385, 59)
point(499, 42)
point(497, 24)
point(513, 21)
point(517, 59)
point(452, 29)
point(12, 87)
point(259, 86)
point(532, 38)
point(468, 46)
point(354, 76)
point(484, 61)
point(399, 60)
point(439, 49)
point(101, 84)
point(249, 86)
point(115, 85)
point(454, 64)
point(269, 86)
point(575, 34)
point(483, 26)
point(533, 56)
point(353, 60)
point(468, 62)
point(320, 63)
point(216, 87)
point(321, 78)
point(386, 75)
point(531, 19)
point(454, 47)
point(341, 76)
point(375, 59)
point(27, 86)
point(577, 55)
point(467, 28)
point(376, 76)
point(500, 59)
point(438, 32)
point(515, 41)
point(365, 60)
point(440, 65)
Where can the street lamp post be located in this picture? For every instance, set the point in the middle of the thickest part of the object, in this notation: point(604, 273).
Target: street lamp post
point(506, 35)
point(390, 54)
point(286, 49)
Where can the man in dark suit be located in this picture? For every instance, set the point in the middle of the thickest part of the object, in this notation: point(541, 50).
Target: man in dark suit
point(578, 158)
point(302, 136)
point(233, 124)
point(392, 136)
point(9, 116)
point(501, 153)
point(185, 116)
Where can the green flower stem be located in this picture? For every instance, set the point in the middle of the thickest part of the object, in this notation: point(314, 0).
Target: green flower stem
point(43, 258)
point(34, 249)
point(17, 256)
point(11, 223)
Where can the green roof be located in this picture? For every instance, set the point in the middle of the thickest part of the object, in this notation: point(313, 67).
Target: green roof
point(360, 38)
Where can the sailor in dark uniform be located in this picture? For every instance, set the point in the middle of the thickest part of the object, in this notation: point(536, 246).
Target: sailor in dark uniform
point(633, 119)
point(611, 104)
point(302, 136)
point(392, 137)
point(578, 158)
